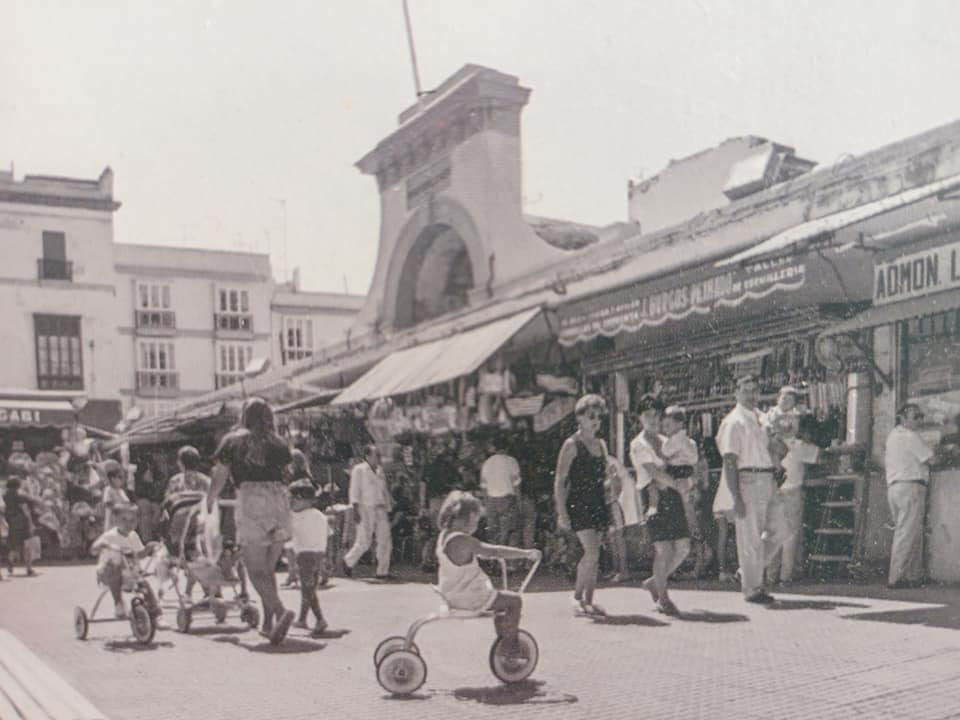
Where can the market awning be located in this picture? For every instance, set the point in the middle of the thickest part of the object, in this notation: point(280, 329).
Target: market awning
point(435, 362)
point(36, 413)
point(897, 312)
point(836, 221)
point(322, 397)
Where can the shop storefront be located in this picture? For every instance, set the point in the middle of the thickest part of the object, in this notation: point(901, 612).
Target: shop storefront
point(915, 327)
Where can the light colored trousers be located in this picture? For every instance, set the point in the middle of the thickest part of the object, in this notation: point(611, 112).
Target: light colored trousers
point(784, 532)
point(374, 524)
point(908, 505)
point(756, 489)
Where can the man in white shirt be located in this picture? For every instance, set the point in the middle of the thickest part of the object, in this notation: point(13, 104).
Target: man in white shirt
point(500, 480)
point(748, 472)
point(371, 502)
point(906, 462)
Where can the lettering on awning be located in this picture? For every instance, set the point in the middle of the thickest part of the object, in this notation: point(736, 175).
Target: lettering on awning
point(629, 309)
point(20, 416)
point(917, 274)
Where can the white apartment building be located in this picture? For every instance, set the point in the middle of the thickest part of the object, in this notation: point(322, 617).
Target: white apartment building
point(58, 296)
point(191, 320)
point(109, 325)
point(305, 321)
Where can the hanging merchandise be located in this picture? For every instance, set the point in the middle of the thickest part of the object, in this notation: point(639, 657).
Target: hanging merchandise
point(557, 384)
point(470, 397)
point(524, 406)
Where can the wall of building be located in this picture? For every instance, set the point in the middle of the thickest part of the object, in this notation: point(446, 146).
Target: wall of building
point(194, 278)
point(90, 294)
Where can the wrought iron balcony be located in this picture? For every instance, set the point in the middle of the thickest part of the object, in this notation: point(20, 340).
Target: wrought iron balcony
point(50, 269)
point(159, 320)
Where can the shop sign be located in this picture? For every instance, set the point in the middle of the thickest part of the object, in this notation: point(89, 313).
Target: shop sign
point(628, 310)
point(916, 274)
point(19, 416)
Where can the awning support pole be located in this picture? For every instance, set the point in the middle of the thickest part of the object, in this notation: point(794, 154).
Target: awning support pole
point(868, 354)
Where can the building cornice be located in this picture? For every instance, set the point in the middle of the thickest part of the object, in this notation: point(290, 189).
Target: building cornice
point(67, 201)
point(58, 284)
point(182, 272)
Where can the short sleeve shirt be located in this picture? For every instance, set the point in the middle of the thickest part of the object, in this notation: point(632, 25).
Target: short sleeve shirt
point(131, 541)
point(740, 433)
point(906, 456)
point(500, 475)
point(310, 531)
point(799, 454)
point(643, 453)
point(253, 459)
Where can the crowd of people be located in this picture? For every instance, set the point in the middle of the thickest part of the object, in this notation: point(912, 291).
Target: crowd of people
point(77, 500)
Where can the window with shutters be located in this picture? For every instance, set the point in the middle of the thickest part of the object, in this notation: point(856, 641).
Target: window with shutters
point(59, 352)
point(232, 359)
point(233, 310)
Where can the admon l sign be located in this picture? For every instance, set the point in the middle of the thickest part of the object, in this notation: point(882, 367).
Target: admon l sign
point(916, 274)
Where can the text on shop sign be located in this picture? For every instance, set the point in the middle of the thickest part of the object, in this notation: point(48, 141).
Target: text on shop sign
point(916, 274)
point(14, 417)
point(628, 310)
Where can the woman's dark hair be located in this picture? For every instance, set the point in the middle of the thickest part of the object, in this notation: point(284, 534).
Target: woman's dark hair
point(650, 402)
point(189, 457)
point(257, 417)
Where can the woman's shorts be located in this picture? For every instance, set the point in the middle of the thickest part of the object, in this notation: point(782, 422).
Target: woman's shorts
point(263, 514)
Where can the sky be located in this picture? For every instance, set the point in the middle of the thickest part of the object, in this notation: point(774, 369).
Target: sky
point(236, 124)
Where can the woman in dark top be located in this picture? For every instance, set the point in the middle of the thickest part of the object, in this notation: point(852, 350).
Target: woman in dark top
point(19, 519)
point(255, 457)
point(580, 499)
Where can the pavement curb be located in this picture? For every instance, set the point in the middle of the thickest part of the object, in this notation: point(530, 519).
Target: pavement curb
point(32, 690)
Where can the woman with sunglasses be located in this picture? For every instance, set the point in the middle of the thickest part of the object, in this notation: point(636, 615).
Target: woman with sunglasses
point(580, 499)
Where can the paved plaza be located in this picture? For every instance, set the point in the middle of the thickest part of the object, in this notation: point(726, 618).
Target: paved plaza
point(808, 656)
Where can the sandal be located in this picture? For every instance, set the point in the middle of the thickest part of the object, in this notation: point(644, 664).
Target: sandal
point(649, 587)
point(279, 631)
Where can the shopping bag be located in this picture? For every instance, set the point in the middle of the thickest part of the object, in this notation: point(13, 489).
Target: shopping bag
point(32, 548)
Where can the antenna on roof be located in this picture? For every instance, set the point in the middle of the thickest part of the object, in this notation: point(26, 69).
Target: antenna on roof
point(413, 55)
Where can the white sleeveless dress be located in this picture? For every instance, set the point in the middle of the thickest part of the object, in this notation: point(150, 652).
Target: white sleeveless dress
point(465, 587)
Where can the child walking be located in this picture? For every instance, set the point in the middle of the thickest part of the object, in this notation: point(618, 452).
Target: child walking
point(19, 520)
point(114, 495)
point(461, 580)
point(110, 548)
point(310, 533)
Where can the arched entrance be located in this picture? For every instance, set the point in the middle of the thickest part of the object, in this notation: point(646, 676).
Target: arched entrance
point(436, 276)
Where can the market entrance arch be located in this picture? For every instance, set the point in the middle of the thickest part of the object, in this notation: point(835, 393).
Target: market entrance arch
point(436, 276)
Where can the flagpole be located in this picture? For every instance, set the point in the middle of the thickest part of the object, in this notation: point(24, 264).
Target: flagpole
point(413, 54)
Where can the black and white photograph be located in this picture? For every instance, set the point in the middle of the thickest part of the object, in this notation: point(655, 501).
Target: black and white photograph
point(420, 359)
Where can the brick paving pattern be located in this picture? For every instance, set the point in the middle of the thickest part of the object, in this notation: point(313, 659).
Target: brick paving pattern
point(809, 656)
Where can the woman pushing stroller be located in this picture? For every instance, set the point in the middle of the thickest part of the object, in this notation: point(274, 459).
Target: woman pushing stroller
point(254, 456)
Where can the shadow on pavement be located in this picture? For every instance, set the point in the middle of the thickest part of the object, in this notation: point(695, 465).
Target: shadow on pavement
point(811, 605)
point(217, 630)
point(133, 646)
point(412, 696)
point(710, 617)
point(628, 620)
point(940, 616)
point(290, 646)
point(333, 634)
point(528, 692)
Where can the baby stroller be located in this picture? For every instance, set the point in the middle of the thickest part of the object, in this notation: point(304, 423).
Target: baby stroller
point(194, 540)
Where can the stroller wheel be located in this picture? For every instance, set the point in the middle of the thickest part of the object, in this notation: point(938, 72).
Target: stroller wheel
point(141, 621)
point(511, 669)
point(250, 615)
point(80, 623)
point(184, 616)
point(391, 645)
point(402, 672)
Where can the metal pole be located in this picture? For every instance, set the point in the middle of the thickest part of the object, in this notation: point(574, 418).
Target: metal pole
point(413, 54)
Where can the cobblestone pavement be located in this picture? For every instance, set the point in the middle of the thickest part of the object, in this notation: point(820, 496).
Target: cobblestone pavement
point(808, 656)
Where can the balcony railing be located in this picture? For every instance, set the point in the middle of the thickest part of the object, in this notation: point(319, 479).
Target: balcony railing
point(156, 320)
point(50, 269)
point(159, 382)
point(233, 322)
point(222, 380)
